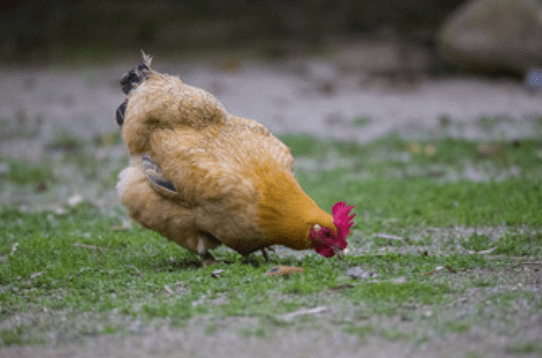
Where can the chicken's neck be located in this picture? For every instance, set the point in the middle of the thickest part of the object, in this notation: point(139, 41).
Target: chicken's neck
point(286, 213)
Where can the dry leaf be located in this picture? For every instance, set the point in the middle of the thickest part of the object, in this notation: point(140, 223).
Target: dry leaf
point(283, 270)
point(414, 147)
point(485, 150)
point(450, 269)
point(430, 150)
point(438, 268)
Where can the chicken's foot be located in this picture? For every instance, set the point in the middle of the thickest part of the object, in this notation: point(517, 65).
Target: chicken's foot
point(265, 254)
point(208, 259)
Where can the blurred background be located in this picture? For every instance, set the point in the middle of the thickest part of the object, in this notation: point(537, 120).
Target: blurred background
point(42, 29)
point(345, 70)
point(495, 36)
point(424, 114)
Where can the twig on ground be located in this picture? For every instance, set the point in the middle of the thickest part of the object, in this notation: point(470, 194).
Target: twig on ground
point(135, 269)
point(88, 246)
point(390, 237)
point(488, 251)
point(304, 311)
point(168, 290)
point(438, 268)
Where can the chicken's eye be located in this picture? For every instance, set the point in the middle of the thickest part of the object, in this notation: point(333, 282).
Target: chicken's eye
point(327, 234)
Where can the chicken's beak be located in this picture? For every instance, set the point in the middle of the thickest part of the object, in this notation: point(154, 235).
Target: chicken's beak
point(316, 227)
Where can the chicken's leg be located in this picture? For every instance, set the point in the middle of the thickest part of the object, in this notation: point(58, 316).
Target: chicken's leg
point(265, 254)
point(204, 240)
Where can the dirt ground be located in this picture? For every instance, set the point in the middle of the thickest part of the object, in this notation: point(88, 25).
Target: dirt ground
point(192, 341)
point(295, 95)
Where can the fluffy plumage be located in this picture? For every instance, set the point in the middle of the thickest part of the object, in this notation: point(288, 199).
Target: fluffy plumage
point(202, 177)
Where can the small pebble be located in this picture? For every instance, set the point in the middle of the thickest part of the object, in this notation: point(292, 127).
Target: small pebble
point(357, 272)
point(216, 273)
point(75, 200)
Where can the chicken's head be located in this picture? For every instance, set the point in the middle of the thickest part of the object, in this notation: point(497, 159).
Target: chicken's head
point(328, 242)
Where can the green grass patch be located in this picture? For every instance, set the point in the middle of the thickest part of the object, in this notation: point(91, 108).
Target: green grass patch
point(529, 243)
point(17, 336)
point(477, 242)
point(74, 264)
point(304, 145)
point(456, 326)
point(425, 201)
point(64, 139)
point(23, 172)
point(403, 293)
point(394, 334)
point(361, 121)
point(524, 348)
point(445, 159)
point(360, 331)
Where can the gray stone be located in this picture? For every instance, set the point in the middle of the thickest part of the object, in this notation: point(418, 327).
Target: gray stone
point(357, 272)
point(493, 36)
point(533, 80)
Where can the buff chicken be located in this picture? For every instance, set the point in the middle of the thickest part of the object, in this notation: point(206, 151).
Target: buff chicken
point(202, 177)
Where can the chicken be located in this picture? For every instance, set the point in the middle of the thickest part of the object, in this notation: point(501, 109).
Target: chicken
point(202, 177)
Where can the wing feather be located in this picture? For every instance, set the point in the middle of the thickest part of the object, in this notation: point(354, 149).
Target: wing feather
point(215, 164)
point(156, 177)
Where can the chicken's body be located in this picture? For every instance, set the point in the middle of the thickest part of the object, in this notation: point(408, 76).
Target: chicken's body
point(202, 177)
point(225, 179)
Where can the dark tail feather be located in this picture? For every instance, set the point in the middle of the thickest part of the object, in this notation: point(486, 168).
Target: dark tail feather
point(127, 80)
point(131, 80)
point(120, 113)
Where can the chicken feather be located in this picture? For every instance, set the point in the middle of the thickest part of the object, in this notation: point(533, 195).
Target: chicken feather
point(202, 177)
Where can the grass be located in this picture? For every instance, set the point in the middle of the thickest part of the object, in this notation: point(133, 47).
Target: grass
point(525, 348)
point(64, 139)
point(362, 121)
point(73, 273)
point(22, 172)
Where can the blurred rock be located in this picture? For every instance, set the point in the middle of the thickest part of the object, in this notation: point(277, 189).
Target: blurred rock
point(385, 55)
point(493, 36)
point(533, 80)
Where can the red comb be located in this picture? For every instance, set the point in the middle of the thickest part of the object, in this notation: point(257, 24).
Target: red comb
point(343, 221)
